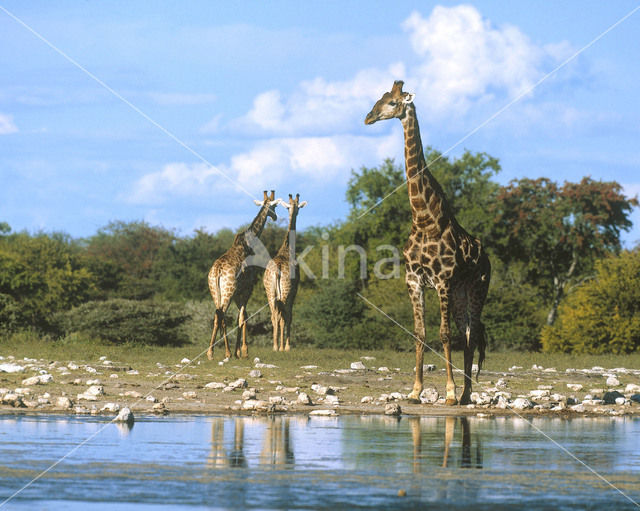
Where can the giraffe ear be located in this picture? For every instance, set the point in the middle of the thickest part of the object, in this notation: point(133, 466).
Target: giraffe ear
point(302, 204)
point(282, 203)
point(408, 97)
point(257, 202)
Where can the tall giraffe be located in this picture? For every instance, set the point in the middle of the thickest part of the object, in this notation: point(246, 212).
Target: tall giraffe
point(281, 279)
point(232, 277)
point(439, 253)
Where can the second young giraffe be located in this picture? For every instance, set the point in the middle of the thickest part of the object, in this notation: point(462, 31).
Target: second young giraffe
point(281, 279)
point(439, 253)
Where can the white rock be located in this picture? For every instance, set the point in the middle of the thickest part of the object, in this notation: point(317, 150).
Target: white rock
point(332, 399)
point(255, 373)
point(256, 360)
point(383, 369)
point(502, 403)
point(189, 394)
point(249, 394)
point(151, 399)
point(620, 400)
point(238, 384)
point(215, 385)
point(323, 413)
point(64, 402)
point(574, 386)
point(429, 395)
point(612, 381)
point(125, 415)
point(513, 368)
point(309, 367)
point(632, 388)
point(539, 394)
point(95, 390)
point(114, 376)
point(90, 370)
point(501, 383)
point(11, 368)
point(86, 397)
point(396, 396)
point(260, 365)
point(93, 382)
point(367, 399)
point(536, 367)
point(13, 399)
point(255, 404)
point(578, 408)
point(34, 380)
point(185, 361)
point(277, 400)
point(132, 393)
point(357, 365)
point(304, 399)
point(110, 407)
point(392, 409)
point(72, 366)
point(521, 403)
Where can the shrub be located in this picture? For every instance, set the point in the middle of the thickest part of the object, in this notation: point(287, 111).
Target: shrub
point(603, 315)
point(128, 321)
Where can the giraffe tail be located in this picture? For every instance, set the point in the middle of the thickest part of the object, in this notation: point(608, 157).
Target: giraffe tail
point(482, 346)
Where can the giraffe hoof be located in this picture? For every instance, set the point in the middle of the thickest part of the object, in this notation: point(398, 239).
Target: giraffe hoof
point(210, 354)
point(451, 402)
point(465, 400)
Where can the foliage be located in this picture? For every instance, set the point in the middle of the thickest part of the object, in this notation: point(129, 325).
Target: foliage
point(558, 231)
point(127, 321)
point(602, 315)
point(40, 275)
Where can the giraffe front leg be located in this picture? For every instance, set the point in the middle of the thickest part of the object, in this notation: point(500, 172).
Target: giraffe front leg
point(416, 295)
point(216, 324)
point(445, 337)
point(242, 350)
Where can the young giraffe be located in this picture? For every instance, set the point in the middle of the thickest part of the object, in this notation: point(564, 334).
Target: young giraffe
point(281, 279)
point(439, 252)
point(232, 278)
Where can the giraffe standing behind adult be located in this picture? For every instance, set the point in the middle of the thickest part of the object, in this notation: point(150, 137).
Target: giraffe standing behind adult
point(281, 279)
point(232, 277)
point(439, 253)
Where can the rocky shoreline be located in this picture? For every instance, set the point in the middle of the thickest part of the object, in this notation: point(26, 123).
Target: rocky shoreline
point(106, 388)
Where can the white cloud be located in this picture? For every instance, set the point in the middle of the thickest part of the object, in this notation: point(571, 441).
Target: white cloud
point(176, 179)
point(7, 125)
point(319, 159)
point(467, 59)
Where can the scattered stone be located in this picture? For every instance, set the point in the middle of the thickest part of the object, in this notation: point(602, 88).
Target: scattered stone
point(392, 409)
point(110, 407)
point(277, 400)
point(133, 372)
point(610, 397)
point(480, 399)
point(383, 369)
point(95, 390)
point(260, 365)
point(357, 365)
point(304, 399)
point(13, 399)
point(550, 370)
point(151, 399)
point(11, 368)
point(160, 408)
point(501, 403)
point(429, 395)
point(578, 408)
point(367, 399)
point(514, 368)
point(574, 386)
point(256, 404)
point(539, 394)
point(332, 399)
point(501, 383)
point(81, 410)
point(90, 370)
point(215, 385)
point(132, 393)
point(309, 367)
point(621, 401)
point(521, 403)
point(93, 382)
point(185, 361)
point(255, 373)
point(189, 394)
point(323, 413)
point(593, 402)
point(536, 367)
point(114, 376)
point(249, 394)
point(322, 390)
point(632, 388)
point(38, 380)
point(125, 415)
point(397, 396)
point(72, 366)
point(64, 403)
point(240, 383)
point(612, 381)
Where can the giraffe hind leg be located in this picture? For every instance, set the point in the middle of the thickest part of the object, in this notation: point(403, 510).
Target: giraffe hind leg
point(216, 325)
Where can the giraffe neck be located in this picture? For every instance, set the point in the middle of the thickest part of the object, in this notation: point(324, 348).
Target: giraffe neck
point(289, 243)
point(257, 225)
point(429, 207)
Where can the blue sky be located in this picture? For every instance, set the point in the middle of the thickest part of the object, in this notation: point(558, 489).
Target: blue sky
point(209, 103)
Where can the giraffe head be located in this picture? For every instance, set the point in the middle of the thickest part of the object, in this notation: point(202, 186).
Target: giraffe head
point(269, 202)
point(391, 104)
point(293, 205)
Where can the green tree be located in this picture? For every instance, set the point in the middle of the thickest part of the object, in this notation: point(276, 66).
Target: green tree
point(558, 232)
point(603, 314)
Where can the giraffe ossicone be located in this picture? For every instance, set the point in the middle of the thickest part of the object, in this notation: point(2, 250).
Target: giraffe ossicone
point(439, 253)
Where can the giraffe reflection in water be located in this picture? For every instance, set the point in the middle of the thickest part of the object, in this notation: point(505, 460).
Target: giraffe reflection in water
point(466, 458)
point(277, 448)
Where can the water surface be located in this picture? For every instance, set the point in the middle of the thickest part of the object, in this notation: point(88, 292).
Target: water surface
point(350, 462)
